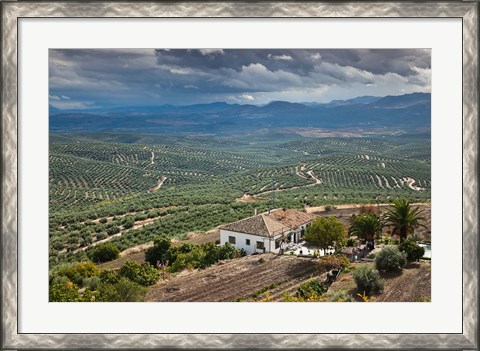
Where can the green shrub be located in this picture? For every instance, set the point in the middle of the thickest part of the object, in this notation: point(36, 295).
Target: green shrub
point(228, 251)
point(189, 255)
point(124, 290)
point(127, 224)
point(187, 247)
point(390, 259)
point(415, 237)
point(311, 288)
point(113, 230)
point(211, 253)
point(412, 250)
point(180, 263)
point(388, 240)
point(109, 276)
point(340, 296)
point(89, 295)
point(144, 274)
point(63, 292)
point(92, 282)
point(264, 289)
point(105, 252)
point(162, 251)
point(193, 259)
point(368, 280)
point(58, 279)
point(77, 272)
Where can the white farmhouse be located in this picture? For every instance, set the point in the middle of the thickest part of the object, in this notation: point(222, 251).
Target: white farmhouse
point(265, 232)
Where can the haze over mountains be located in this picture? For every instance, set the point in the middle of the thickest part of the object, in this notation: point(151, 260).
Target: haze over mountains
point(410, 112)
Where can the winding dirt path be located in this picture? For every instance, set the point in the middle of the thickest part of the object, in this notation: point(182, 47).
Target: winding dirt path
point(300, 172)
point(159, 184)
point(410, 184)
point(312, 175)
point(301, 175)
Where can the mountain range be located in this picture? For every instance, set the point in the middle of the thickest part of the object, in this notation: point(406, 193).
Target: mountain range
point(410, 112)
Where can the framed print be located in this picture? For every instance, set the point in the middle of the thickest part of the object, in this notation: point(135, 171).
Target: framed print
point(240, 175)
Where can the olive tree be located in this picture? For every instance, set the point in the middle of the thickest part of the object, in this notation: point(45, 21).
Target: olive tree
point(325, 232)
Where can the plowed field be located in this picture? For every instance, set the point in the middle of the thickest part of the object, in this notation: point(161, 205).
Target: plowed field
point(238, 279)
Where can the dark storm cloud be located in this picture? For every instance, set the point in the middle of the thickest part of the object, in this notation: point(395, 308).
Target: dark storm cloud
point(300, 61)
point(155, 76)
point(382, 61)
point(233, 59)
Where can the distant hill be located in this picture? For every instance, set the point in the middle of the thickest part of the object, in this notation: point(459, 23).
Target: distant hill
point(355, 101)
point(53, 110)
point(403, 101)
point(408, 112)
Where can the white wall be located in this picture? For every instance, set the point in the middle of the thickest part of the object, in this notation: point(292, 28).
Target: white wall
point(240, 241)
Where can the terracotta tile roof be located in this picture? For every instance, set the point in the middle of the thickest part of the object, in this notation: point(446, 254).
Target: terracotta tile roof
point(270, 224)
point(291, 218)
point(274, 227)
point(252, 225)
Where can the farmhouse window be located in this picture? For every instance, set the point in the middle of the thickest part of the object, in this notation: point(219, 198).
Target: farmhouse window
point(247, 242)
point(231, 240)
point(260, 245)
point(277, 243)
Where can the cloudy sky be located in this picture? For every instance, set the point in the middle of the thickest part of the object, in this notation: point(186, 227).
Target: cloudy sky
point(87, 78)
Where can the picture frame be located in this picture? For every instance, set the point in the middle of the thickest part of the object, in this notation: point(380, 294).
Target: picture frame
point(13, 12)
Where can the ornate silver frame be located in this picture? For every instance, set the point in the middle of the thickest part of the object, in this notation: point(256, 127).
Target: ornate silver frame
point(12, 11)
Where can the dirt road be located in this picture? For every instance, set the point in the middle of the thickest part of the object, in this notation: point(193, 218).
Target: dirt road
point(160, 182)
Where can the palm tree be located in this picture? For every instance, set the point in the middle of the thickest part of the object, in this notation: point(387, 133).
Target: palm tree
point(404, 218)
point(366, 226)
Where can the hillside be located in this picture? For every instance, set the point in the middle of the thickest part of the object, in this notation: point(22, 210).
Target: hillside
point(414, 284)
point(129, 188)
point(236, 279)
point(252, 277)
